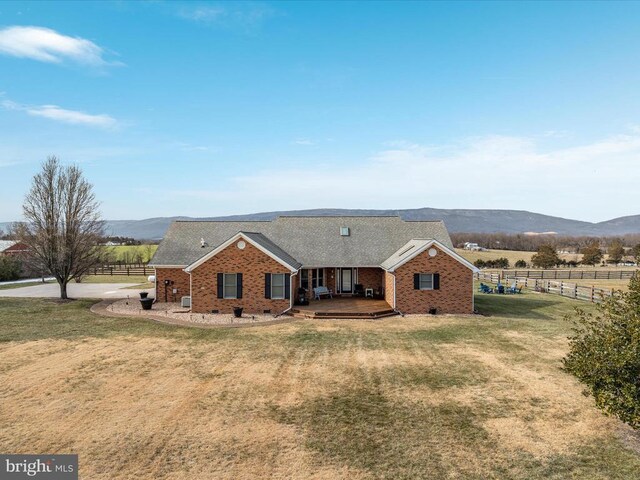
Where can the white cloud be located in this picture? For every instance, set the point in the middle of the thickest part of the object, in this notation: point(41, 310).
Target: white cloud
point(203, 14)
point(239, 16)
point(46, 45)
point(53, 112)
point(589, 181)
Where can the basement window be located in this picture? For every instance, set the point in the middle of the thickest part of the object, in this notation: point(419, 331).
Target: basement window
point(344, 231)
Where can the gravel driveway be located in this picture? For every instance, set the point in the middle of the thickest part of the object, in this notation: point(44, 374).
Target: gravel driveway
point(76, 290)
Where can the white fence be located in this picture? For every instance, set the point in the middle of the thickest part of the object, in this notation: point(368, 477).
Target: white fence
point(566, 289)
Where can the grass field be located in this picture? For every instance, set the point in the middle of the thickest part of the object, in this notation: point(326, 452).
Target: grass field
point(468, 397)
point(512, 255)
point(137, 279)
point(130, 253)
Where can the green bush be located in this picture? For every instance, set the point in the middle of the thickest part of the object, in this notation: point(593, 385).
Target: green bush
point(497, 263)
point(521, 264)
point(10, 268)
point(604, 353)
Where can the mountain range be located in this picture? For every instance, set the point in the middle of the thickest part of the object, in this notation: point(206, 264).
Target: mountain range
point(456, 220)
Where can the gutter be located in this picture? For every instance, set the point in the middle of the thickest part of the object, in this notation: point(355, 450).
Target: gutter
point(291, 296)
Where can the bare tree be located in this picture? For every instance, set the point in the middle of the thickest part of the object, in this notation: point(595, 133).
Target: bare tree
point(62, 225)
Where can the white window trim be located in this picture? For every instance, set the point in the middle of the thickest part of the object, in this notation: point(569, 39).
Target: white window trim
point(284, 287)
point(432, 278)
point(224, 286)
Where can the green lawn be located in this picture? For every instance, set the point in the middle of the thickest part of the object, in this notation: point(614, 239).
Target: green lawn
point(137, 279)
point(469, 397)
point(20, 285)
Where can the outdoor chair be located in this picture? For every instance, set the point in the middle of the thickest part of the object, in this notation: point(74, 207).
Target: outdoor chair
point(358, 290)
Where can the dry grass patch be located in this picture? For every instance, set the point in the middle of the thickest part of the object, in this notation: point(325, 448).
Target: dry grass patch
point(416, 397)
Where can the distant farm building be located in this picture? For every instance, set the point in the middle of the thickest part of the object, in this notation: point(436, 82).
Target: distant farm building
point(12, 247)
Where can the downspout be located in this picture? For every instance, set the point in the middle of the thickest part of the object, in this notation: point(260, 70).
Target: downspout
point(291, 296)
point(155, 287)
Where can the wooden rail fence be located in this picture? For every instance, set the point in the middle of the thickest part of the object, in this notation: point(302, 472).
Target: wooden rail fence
point(126, 270)
point(565, 289)
point(571, 274)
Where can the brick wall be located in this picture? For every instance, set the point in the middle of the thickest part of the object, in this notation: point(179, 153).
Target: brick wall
point(456, 285)
point(180, 280)
point(253, 264)
point(371, 278)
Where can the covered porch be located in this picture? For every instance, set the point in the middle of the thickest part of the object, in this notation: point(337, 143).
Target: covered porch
point(343, 281)
point(344, 307)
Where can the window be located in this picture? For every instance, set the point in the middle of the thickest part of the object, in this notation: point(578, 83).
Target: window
point(426, 281)
point(344, 231)
point(304, 279)
point(230, 285)
point(277, 286)
point(317, 277)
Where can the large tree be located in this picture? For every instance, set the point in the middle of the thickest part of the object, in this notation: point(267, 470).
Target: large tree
point(615, 251)
point(591, 254)
point(545, 257)
point(62, 226)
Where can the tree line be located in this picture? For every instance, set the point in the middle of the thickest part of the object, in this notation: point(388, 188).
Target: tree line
point(531, 243)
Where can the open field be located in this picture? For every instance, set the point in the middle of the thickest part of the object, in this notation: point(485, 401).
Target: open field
point(415, 397)
point(512, 255)
point(130, 253)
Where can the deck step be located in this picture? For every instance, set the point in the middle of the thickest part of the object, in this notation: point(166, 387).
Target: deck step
point(355, 315)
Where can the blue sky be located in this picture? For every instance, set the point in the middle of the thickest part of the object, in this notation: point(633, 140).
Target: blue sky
point(206, 109)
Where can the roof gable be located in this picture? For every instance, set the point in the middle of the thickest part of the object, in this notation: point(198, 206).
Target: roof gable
point(257, 240)
point(415, 247)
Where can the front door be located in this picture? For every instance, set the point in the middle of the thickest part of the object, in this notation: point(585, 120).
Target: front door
point(346, 280)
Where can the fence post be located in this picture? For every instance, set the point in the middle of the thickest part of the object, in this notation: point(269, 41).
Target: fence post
point(592, 293)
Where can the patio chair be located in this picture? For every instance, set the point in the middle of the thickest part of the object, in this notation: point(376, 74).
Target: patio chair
point(358, 290)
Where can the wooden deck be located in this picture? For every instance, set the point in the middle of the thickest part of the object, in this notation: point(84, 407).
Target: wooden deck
point(346, 307)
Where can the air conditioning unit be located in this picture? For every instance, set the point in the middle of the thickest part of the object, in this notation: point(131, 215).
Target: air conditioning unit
point(186, 302)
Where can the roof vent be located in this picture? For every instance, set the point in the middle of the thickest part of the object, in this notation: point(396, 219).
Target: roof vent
point(344, 231)
point(407, 250)
point(203, 243)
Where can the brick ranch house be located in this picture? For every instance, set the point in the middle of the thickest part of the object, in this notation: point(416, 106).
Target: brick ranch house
point(260, 265)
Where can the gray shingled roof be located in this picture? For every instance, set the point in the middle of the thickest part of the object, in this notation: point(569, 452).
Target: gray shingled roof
point(407, 249)
point(312, 241)
point(267, 244)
